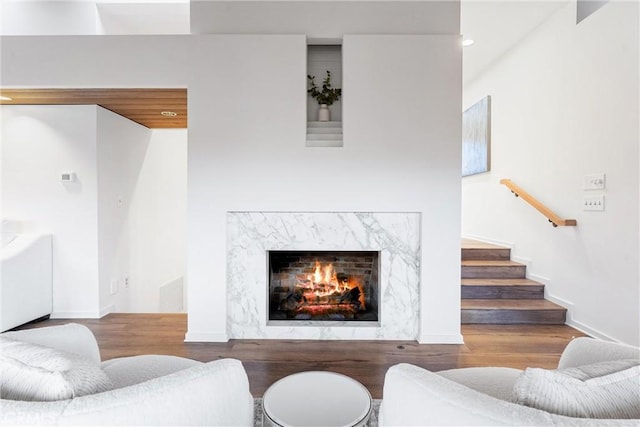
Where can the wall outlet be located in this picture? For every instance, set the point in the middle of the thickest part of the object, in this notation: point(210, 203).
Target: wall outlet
point(126, 283)
point(114, 287)
point(593, 203)
point(594, 181)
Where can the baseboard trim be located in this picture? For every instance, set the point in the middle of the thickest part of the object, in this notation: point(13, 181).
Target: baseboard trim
point(526, 262)
point(107, 309)
point(440, 339)
point(509, 245)
point(75, 315)
point(541, 279)
point(562, 302)
point(592, 332)
point(205, 337)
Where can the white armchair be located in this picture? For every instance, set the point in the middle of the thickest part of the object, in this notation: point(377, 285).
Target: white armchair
point(414, 396)
point(146, 390)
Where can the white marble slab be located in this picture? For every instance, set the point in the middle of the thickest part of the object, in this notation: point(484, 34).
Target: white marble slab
point(251, 234)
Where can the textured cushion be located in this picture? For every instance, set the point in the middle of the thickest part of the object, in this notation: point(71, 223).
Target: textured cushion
point(126, 371)
point(36, 373)
point(601, 390)
point(494, 381)
point(70, 338)
point(583, 351)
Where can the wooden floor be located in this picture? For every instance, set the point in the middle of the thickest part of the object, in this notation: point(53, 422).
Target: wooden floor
point(516, 346)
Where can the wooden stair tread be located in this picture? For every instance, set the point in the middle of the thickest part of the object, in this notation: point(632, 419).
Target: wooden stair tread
point(500, 282)
point(476, 244)
point(495, 290)
point(510, 304)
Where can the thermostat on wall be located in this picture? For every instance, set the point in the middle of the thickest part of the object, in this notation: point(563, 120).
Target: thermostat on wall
point(67, 177)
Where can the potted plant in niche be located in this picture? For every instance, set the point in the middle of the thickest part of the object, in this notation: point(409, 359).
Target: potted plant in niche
point(325, 96)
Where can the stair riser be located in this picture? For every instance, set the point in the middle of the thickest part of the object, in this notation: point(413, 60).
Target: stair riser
point(324, 136)
point(324, 130)
point(486, 254)
point(513, 317)
point(324, 143)
point(502, 292)
point(494, 272)
point(330, 124)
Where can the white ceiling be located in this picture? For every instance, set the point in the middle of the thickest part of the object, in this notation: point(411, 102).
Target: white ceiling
point(497, 26)
point(160, 17)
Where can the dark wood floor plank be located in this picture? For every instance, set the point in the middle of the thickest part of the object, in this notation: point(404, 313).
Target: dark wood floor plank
point(516, 346)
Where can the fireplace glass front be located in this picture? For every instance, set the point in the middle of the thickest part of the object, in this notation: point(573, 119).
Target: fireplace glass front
point(323, 286)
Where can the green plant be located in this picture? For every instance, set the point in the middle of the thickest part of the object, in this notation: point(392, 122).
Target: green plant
point(328, 95)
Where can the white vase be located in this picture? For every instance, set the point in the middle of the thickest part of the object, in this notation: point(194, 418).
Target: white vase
point(324, 115)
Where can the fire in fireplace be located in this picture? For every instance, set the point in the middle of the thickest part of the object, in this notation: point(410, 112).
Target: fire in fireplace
point(323, 285)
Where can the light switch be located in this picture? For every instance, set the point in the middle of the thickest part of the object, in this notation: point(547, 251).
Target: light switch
point(593, 203)
point(594, 181)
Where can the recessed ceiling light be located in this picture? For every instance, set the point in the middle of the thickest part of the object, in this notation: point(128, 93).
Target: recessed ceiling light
point(169, 113)
point(468, 42)
point(5, 98)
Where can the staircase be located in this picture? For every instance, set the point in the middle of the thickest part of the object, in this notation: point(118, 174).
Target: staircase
point(324, 134)
point(495, 289)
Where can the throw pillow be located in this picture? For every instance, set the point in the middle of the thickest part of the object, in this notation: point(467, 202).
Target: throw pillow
point(35, 373)
point(606, 390)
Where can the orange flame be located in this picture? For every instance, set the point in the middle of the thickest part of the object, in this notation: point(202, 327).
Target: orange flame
point(324, 282)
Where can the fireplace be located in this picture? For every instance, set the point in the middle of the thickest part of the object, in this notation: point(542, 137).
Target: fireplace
point(392, 237)
point(333, 286)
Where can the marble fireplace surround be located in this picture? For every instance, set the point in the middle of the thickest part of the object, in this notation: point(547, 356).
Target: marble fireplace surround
point(395, 235)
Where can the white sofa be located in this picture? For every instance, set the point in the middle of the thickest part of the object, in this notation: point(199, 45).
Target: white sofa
point(414, 396)
point(26, 268)
point(144, 390)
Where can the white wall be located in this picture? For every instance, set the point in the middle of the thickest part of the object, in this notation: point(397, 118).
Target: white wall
point(38, 144)
point(247, 125)
point(122, 145)
point(395, 145)
point(565, 104)
point(97, 239)
point(402, 149)
point(240, 144)
point(157, 222)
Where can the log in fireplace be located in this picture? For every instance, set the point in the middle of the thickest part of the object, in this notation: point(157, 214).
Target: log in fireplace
point(323, 286)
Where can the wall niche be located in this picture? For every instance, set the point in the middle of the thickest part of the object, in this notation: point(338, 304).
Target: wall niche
point(320, 59)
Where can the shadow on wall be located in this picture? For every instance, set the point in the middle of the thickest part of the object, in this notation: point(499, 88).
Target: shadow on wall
point(171, 296)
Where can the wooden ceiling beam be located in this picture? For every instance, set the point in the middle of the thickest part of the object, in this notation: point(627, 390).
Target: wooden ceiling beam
point(142, 105)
